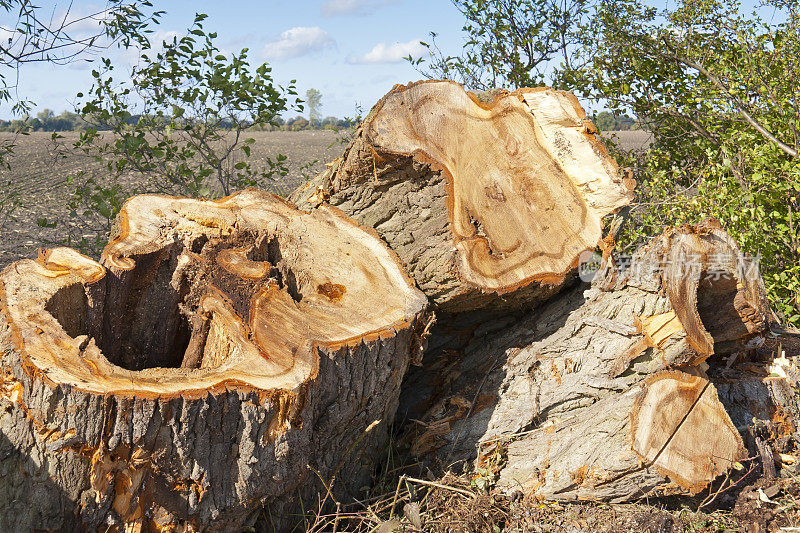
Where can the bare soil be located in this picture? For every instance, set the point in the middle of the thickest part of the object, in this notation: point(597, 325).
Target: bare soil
point(630, 141)
point(39, 174)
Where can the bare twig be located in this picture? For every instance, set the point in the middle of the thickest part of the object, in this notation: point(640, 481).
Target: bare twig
point(738, 104)
point(463, 492)
point(396, 493)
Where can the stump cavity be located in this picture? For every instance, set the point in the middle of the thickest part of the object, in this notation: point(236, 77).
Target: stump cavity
point(194, 374)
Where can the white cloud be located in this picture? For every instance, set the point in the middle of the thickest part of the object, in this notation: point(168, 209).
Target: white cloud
point(332, 8)
point(6, 34)
point(128, 57)
point(394, 53)
point(82, 64)
point(158, 37)
point(297, 42)
point(79, 23)
point(11, 39)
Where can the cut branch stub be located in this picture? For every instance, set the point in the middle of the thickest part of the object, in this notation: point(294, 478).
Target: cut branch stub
point(679, 426)
point(608, 393)
point(479, 198)
point(717, 300)
point(203, 367)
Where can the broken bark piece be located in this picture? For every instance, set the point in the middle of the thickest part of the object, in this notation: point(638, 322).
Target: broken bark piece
point(223, 357)
point(602, 394)
point(488, 204)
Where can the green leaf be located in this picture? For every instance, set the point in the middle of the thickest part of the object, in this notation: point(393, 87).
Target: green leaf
point(44, 223)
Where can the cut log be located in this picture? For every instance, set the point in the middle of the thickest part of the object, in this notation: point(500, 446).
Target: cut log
point(607, 393)
point(224, 356)
point(489, 200)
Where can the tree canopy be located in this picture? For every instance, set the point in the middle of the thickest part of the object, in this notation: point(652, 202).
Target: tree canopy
point(314, 104)
point(38, 35)
point(715, 83)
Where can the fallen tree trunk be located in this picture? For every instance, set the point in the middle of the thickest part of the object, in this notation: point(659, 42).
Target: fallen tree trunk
point(488, 200)
point(609, 393)
point(225, 356)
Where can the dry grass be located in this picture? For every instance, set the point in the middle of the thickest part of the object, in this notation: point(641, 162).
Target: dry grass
point(407, 497)
point(451, 504)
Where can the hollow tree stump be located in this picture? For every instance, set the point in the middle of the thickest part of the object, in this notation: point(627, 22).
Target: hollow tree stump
point(224, 356)
point(488, 200)
point(607, 393)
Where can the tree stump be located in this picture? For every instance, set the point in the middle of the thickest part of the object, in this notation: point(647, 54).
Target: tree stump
point(488, 199)
point(224, 356)
point(608, 393)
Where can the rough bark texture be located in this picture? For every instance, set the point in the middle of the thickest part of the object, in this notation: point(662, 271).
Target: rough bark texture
point(225, 356)
point(608, 393)
point(489, 203)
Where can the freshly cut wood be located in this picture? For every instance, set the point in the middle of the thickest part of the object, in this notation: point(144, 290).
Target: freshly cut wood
point(607, 393)
point(224, 356)
point(664, 429)
point(488, 199)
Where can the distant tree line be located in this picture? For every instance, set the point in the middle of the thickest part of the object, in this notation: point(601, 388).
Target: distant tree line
point(607, 121)
point(47, 120)
point(301, 123)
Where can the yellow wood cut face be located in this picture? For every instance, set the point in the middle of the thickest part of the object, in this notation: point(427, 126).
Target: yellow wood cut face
point(659, 328)
point(679, 426)
point(528, 182)
point(264, 283)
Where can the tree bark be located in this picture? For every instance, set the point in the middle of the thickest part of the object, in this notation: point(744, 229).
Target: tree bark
point(224, 356)
point(608, 393)
point(489, 200)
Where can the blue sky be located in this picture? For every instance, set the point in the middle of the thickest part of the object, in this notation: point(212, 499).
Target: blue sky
point(348, 49)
